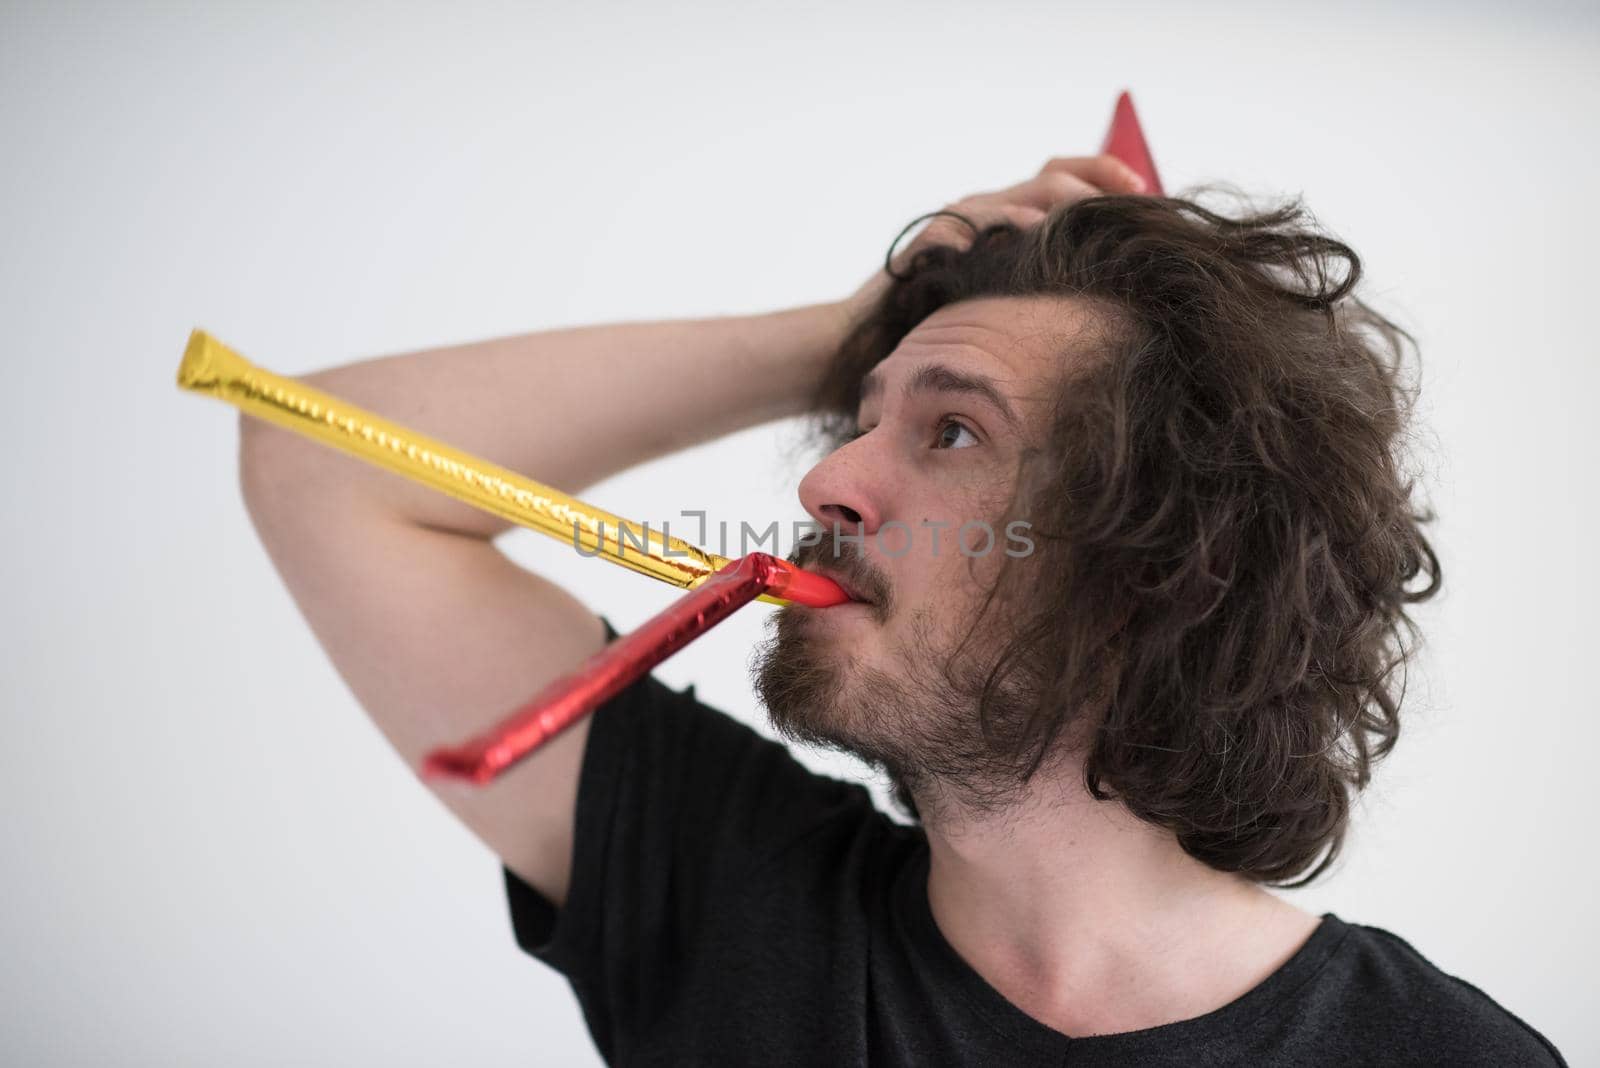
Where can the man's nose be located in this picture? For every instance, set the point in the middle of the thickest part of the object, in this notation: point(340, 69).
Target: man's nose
point(844, 490)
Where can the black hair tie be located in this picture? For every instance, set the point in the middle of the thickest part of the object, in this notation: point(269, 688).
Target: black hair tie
point(888, 259)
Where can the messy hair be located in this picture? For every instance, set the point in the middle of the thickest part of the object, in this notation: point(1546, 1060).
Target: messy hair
point(1226, 539)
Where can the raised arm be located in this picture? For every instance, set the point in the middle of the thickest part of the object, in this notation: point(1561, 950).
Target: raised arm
point(437, 633)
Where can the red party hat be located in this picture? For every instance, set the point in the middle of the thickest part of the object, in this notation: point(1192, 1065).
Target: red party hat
point(1125, 140)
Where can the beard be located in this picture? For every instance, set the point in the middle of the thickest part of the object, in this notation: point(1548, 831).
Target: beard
point(934, 721)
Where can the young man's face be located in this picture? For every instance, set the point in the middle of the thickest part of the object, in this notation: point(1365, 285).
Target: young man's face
point(943, 425)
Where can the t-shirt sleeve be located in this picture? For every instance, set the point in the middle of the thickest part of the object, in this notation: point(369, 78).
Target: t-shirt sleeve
point(677, 804)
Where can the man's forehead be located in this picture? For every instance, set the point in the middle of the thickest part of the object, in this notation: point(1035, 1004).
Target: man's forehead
point(1012, 338)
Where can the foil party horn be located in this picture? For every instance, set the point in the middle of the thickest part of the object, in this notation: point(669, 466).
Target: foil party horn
point(608, 672)
point(210, 367)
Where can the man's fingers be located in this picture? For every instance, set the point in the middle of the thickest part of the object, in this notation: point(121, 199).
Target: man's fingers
point(1063, 180)
point(1107, 172)
point(1049, 190)
point(983, 210)
point(1025, 215)
point(987, 210)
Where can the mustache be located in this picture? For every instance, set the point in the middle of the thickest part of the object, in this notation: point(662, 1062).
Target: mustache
point(844, 561)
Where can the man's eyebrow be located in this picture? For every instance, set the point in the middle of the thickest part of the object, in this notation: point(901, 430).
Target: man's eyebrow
point(937, 378)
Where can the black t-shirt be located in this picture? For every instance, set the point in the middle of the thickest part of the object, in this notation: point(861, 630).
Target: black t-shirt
point(730, 907)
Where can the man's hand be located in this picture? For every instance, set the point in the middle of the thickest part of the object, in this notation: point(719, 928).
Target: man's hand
point(1059, 182)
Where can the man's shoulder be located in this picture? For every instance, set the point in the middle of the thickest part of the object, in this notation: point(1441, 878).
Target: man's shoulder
point(1417, 1011)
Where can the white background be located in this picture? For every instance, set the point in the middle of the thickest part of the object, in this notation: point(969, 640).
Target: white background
point(211, 857)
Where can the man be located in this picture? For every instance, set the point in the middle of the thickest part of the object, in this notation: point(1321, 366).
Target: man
point(1115, 728)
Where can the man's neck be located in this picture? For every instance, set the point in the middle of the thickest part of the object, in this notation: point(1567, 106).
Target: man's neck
point(1094, 922)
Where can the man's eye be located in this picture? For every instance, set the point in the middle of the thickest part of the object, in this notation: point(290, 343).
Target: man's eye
point(954, 435)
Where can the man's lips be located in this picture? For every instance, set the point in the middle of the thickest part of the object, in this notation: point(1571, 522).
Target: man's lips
point(844, 583)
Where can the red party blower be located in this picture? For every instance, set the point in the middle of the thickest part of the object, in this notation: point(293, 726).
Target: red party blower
point(611, 670)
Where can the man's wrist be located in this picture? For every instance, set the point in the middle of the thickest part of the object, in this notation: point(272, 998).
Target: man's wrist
point(800, 343)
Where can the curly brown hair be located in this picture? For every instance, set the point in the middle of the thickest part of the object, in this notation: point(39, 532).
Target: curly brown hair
point(1225, 530)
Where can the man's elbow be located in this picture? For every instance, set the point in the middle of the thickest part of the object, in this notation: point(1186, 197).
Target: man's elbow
point(260, 453)
point(277, 471)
